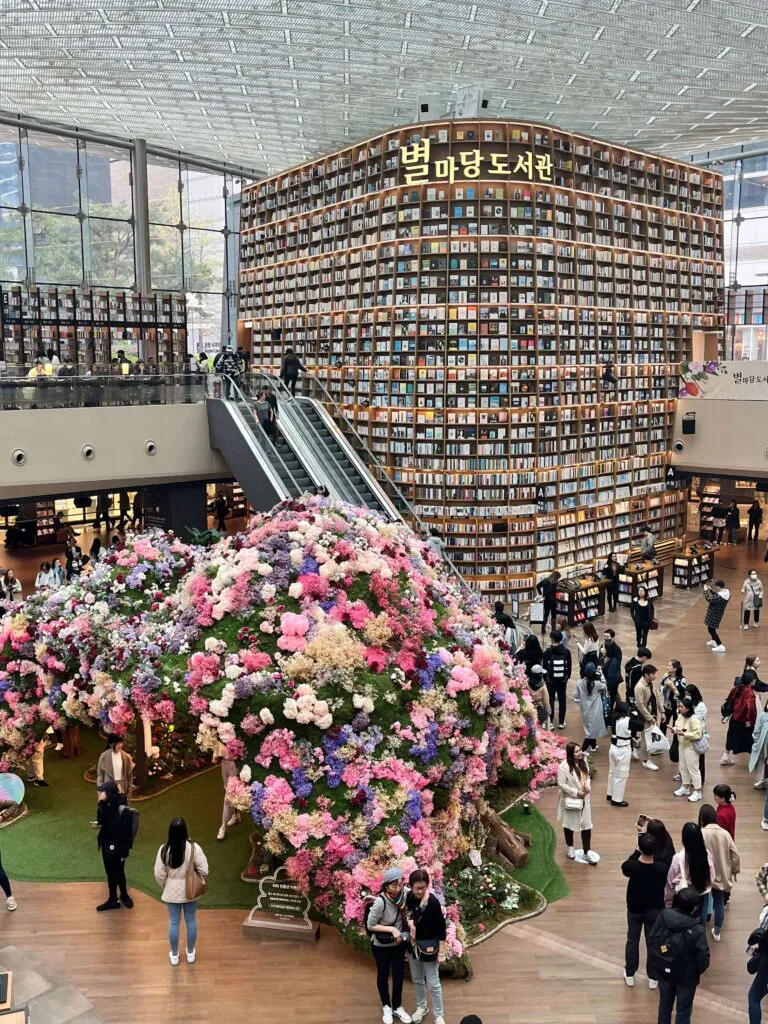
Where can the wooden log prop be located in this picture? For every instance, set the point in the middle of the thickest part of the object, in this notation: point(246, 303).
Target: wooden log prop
point(509, 845)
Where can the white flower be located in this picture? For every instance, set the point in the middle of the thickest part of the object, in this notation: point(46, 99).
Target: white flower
point(296, 590)
point(305, 717)
point(321, 708)
point(290, 708)
point(263, 569)
point(267, 627)
point(268, 591)
point(297, 556)
point(325, 722)
point(234, 671)
point(245, 773)
point(218, 708)
point(358, 700)
point(268, 719)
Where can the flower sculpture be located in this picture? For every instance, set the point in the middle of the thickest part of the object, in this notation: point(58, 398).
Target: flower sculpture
point(369, 703)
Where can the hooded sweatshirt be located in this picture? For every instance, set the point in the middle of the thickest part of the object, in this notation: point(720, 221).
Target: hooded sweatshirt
point(694, 958)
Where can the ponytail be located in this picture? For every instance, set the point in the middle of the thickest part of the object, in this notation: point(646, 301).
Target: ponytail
point(725, 792)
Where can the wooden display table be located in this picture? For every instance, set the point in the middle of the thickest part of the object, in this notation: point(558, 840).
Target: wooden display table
point(691, 568)
point(587, 601)
point(637, 574)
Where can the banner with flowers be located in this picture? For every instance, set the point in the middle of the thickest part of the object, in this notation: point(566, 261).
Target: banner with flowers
point(725, 380)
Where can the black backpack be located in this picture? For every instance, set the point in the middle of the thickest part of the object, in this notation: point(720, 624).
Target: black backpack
point(134, 816)
point(669, 951)
point(557, 667)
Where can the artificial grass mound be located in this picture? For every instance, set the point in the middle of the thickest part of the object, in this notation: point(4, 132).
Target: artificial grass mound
point(541, 872)
point(55, 843)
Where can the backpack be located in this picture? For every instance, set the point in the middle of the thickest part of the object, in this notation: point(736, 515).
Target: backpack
point(726, 708)
point(134, 820)
point(669, 951)
point(557, 669)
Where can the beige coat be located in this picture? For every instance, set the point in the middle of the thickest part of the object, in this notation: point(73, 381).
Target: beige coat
point(174, 880)
point(724, 854)
point(104, 773)
point(643, 691)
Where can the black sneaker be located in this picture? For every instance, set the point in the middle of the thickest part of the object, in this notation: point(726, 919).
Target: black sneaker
point(619, 803)
point(127, 902)
point(109, 905)
point(40, 783)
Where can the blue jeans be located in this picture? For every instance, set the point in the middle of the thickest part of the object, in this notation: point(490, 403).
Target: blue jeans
point(718, 897)
point(421, 970)
point(757, 991)
point(5, 885)
point(190, 919)
point(706, 908)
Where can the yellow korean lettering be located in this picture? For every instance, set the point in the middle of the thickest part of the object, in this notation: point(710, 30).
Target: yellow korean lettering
point(470, 161)
point(524, 164)
point(499, 164)
point(544, 167)
point(445, 170)
point(415, 160)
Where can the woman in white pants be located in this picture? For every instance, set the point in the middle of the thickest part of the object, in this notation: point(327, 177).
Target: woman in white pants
point(689, 731)
point(619, 756)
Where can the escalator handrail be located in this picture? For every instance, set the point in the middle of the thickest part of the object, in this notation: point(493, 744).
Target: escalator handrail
point(264, 440)
point(279, 385)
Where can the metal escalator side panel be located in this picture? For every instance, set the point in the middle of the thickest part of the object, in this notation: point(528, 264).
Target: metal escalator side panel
point(262, 483)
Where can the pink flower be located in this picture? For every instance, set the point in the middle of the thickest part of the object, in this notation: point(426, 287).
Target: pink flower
point(398, 845)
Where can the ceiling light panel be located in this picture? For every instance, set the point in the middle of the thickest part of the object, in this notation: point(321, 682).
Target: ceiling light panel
point(219, 74)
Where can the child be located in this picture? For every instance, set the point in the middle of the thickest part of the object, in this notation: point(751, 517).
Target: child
point(725, 812)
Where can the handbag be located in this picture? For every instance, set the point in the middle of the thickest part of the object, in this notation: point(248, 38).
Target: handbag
point(426, 950)
point(656, 741)
point(194, 883)
point(701, 746)
point(654, 624)
point(757, 601)
point(573, 803)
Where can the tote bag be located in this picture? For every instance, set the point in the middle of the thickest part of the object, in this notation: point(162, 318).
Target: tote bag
point(194, 883)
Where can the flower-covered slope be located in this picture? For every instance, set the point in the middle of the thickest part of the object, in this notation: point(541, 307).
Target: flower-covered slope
point(64, 653)
point(369, 706)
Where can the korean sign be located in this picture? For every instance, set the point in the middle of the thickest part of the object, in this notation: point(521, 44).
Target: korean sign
point(732, 379)
point(471, 164)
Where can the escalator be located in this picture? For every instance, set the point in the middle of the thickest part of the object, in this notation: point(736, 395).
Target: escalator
point(266, 472)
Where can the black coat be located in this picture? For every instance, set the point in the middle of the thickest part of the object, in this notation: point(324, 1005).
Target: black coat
point(694, 959)
point(115, 837)
point(429, 920)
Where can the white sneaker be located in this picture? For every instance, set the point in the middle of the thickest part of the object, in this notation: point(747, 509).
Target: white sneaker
point(439, 1020)
point(695, 796)
point(629, 979)
point(711, 643)
point(653, 983)
point(755, 625)
point(593, 858)
point(386, 1016)
point(562, 725)
point(581, 857)
point(570, 853)
point(726, 759)
point(720, 649)
point(222, 833)
point(716, 934)
point(683, 791)
point(59, 746)
point(191, 957)
point(636, 755)
point(745, 627)
point(173, 957)
point(419, 1013)
point(402, 1016)
point(10, 903)
point(650, 766)
point(764, 825)
point(677, 777)
point(234, 820)
point(761, 784)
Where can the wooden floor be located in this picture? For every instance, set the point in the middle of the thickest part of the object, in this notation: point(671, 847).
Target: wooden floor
point(564, 966)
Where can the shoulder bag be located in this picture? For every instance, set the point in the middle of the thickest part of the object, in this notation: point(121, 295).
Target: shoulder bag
point(194, 883)
point(573, 803)
point(757, 600)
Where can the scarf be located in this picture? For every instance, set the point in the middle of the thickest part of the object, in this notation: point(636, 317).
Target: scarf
point(399, 902)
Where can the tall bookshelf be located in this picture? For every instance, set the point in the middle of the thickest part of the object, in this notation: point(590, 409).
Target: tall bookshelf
point(89, 326)
point(460, 288)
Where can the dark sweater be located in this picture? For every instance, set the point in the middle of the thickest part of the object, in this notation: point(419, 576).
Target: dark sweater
point(429, 920)
point(645, 888)
point(115, 836)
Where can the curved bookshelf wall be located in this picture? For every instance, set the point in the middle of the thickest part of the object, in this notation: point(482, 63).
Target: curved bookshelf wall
point(461, 288)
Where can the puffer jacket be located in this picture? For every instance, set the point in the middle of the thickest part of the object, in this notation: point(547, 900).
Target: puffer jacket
point(173, 880)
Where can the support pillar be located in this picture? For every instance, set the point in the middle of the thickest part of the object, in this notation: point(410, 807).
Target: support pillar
point(141, 217)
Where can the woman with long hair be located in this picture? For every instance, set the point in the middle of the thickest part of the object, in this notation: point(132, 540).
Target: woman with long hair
point(689, 732)
point(693, 865)
point(726, 859)
point(590, 690)
point(611, 573)
point(666, 848)
point(171, 865)
point(589, 650)
point(574, 811)
point(642, 613)
point(428, 934)
point(529, 654)
point(672, 689)
point(743, 716)
point(620, 755)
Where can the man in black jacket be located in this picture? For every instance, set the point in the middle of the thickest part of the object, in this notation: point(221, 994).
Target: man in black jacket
point(645, 901)
point(558, 667)
point(548, 590)
point(115, 840)
point(680, 955)
point(633, 670)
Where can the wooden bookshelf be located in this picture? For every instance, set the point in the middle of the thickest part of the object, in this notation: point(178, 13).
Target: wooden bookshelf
point(461, 305)
point(90, 326)
point(584, 603)
point(691, 568)
point(641, 575)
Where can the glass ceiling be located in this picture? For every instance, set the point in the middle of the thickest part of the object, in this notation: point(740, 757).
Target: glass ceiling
point(269, 83)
